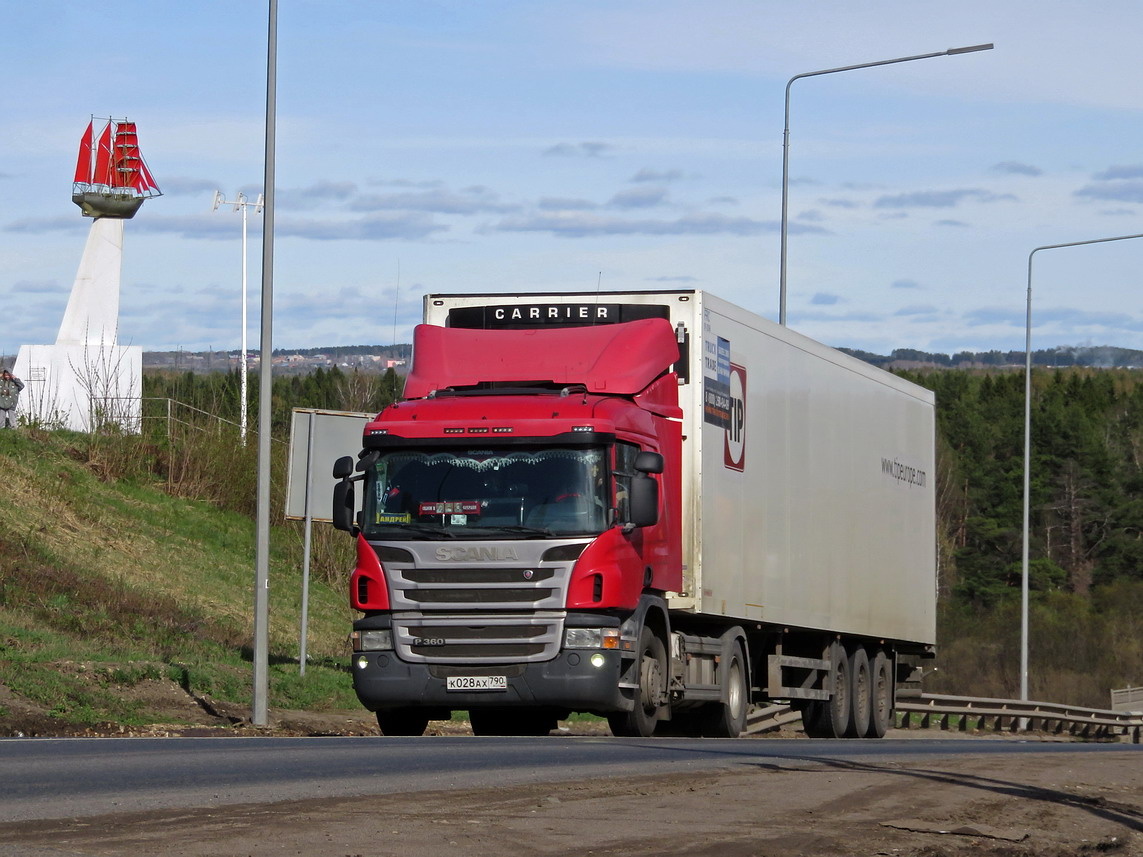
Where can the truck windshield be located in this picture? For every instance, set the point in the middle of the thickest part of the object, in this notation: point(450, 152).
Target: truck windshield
point(487, 493)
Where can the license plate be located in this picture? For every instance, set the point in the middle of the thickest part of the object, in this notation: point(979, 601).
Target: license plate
point(476, 682)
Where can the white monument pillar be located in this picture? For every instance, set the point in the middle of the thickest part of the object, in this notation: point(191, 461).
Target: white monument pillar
point(87, 381)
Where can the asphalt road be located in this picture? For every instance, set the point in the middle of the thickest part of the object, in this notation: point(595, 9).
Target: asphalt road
point(73, 778)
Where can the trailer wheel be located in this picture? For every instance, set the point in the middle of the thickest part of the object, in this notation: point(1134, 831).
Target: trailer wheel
point(402, 721)
point(728, 719)
point(814, 721)
point(840, 705)
point(862, 698)
point(881, 673)
point(640, 721)
point(829, 718)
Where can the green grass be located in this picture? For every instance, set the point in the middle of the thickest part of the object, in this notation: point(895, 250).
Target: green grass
point(109, 581)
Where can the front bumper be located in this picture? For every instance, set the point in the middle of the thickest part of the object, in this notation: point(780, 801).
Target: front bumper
point(569, 681)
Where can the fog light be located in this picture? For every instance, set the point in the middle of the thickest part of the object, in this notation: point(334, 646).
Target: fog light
point(362, 662)
point(598, 660)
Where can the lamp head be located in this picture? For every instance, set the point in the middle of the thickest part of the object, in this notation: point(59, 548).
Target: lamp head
point(970, 49)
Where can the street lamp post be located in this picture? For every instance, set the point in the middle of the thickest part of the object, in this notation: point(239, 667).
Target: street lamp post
point(241, 202)
point(1028, 452)
point(786, 143)
point(259, 711)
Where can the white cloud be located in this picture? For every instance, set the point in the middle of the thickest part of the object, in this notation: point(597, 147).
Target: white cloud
point(639, 197)
point(646, 175)
point(566, 225)
point(940, 198)
point(1017, 168)
point(586, 150)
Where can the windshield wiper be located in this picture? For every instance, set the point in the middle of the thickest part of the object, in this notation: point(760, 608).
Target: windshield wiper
point(419, 530)
point(537, 532)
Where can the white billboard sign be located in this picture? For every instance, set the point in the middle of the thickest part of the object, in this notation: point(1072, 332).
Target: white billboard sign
point(317, 439)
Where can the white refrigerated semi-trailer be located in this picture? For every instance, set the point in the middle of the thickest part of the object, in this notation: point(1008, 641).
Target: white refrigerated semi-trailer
point(808, 475)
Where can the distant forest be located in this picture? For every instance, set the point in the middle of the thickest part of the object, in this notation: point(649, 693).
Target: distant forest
point(1100, 357)
point(1085, 526)
point(1086, 479)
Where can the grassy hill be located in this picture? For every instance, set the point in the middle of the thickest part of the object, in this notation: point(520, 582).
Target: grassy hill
point(124, 607)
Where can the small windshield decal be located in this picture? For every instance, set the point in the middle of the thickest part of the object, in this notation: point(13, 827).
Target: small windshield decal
point(450, 507)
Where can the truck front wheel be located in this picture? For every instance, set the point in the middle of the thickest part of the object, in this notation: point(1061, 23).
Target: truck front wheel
point(640, 721)
point(511, 721)
point(402, 721)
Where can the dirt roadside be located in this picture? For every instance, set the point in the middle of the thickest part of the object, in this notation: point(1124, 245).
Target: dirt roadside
point(1044, 805)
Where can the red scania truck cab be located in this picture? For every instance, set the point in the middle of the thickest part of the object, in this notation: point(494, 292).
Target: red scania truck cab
point(511, 536)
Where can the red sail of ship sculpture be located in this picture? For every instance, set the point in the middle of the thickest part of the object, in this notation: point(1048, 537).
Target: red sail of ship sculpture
point(111, 178)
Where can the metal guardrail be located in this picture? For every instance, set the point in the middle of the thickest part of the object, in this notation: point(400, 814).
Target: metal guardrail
point(1127, 699)
point(1012, 715)
point(767, 718)
point(967, 713)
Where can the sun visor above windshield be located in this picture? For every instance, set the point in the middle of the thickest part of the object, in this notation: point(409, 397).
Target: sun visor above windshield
point(619, 359)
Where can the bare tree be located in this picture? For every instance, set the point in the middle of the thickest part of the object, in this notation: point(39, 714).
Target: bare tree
point(104, 377)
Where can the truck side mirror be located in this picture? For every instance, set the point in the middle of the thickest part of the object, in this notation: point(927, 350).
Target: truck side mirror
point(649, 462)
point(343, 501)
point(343, 495)
point(644, 507)
point(343, 467)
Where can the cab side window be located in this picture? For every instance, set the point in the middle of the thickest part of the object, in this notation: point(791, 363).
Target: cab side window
point(624, 472)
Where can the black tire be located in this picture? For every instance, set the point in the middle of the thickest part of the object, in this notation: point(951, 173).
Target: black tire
point(402, 721)
point(728, 719)
point(839, 707)
point(651, 678)
point(861, 700)
point(830, 718)
point(815, 719)
point(881, 716)
point(683, 724)
point(511, 721)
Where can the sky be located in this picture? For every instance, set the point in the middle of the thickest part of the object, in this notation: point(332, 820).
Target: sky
point(549, 145)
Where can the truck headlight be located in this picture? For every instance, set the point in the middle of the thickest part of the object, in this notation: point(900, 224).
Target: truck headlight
point(591, 638)
point(372, 641)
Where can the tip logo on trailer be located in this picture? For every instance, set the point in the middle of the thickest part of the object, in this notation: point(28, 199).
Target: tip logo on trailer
point(724, 399)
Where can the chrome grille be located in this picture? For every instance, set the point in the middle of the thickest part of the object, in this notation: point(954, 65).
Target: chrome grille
point(469, 576)
point(523, 582)
point(527, 597)
point(469, 639)
point(520, 598)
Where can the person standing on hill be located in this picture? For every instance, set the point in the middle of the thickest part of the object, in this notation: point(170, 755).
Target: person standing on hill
point(10, 387)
